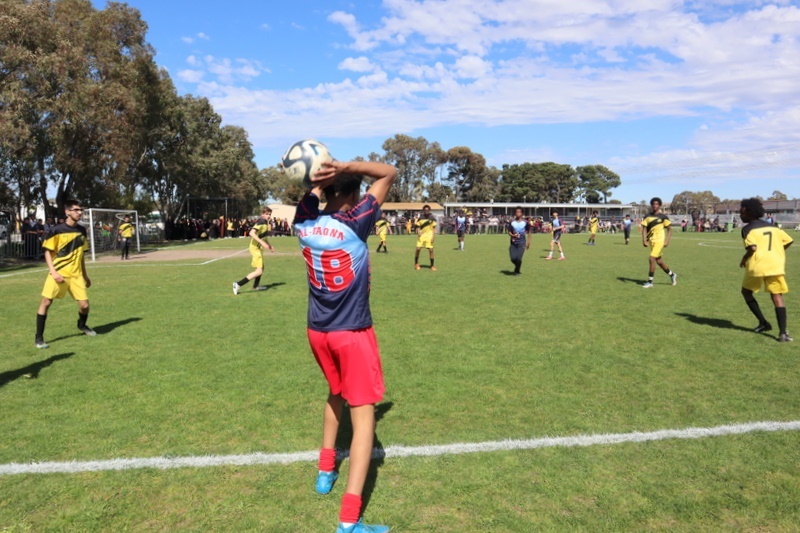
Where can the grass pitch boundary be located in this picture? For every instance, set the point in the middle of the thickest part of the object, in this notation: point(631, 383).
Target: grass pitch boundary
point(395, 451)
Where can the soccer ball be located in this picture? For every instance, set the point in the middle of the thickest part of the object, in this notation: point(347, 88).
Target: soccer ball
point(303, 159)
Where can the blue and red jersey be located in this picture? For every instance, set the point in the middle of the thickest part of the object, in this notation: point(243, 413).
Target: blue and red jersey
point(334, 247)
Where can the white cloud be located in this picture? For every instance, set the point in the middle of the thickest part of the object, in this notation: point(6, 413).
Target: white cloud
point(430, 64)
point(357, 64)
point(472, 67)
point(190, 40)
point(190, 76)
point(225, 70)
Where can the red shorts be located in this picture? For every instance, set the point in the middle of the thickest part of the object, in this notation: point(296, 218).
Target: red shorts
point(351, 363)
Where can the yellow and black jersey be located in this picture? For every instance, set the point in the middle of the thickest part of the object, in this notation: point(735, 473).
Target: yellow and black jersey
point(426, 227)
point(594, 222)
point(654, 224)
point(262, 227)
point(382, 226)
point(770, 242)
point(67, 245)
point(126, 230)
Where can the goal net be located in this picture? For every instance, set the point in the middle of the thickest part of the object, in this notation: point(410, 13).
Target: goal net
point(103, 226)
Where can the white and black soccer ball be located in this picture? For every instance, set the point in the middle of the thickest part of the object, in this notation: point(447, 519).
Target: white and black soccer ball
point(303, 159)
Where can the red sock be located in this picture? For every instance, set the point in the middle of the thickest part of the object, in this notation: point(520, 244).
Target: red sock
point(351, 508)
point(327, 459)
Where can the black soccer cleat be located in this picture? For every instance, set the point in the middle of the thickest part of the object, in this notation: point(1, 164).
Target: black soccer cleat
point(761, 328)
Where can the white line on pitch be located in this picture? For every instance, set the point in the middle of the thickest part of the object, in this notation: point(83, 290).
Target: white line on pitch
point(164, 463)
point(223, 257)
point(714, 245)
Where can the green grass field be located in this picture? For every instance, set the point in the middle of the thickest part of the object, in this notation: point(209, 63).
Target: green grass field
point(182, 367)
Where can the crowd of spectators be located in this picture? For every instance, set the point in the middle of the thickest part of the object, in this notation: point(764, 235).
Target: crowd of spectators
point(190, 229)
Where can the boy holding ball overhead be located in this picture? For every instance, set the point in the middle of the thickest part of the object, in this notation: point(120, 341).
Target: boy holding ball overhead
point(334, 245)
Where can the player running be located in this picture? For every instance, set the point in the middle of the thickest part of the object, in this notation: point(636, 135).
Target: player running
point(653, 235)
point(125, 233)
point(764, 262)
point(426, 234)
point(518, 229)
point(64, 247)
point(334, 245)
point(258, 241)
point(594, 224)
point(461, 228)
point(381, 229)
point(557, 227)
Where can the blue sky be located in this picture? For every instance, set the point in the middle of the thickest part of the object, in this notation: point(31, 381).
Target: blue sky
point(672, 95)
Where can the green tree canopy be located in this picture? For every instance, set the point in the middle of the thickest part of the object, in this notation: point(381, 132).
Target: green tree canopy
point(596, 182)
point(538, 182)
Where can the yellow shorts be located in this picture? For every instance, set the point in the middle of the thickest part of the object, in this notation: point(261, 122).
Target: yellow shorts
point(425, 243)
point(772, 284)
point(75, 286)
point(382, 236)
point(258, 259)
point(655, 249)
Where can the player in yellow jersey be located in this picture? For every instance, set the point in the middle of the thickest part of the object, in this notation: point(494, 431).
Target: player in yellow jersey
point(656, 233)
point(764, 262)
point(64, 247)
point(381, 229)
point(426, 234)
point(258, 241)
point(125, 234)
point(594, 224)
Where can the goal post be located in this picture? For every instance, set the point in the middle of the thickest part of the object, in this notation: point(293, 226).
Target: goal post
point(103, 226)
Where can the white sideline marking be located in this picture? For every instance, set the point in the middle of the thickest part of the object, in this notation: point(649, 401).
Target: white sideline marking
point(164, 463)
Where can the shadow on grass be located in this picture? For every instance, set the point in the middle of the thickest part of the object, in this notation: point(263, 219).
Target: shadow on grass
point(507, 273)
point(102, 329)
point(629, 280)
point(31, 371)
point(111, 326)
point(713, 322)
point(270, 286)
point(16, 265)
point(343, 443)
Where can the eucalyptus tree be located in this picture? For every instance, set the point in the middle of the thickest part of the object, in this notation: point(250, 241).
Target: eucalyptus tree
point(416, 161)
